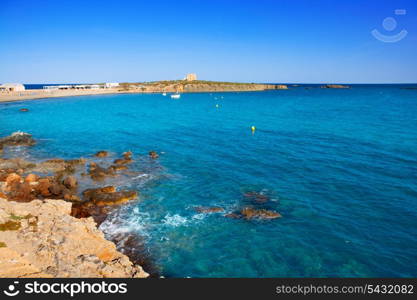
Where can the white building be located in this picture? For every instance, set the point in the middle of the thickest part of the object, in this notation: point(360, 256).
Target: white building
point(12, 87)
point(109, 85)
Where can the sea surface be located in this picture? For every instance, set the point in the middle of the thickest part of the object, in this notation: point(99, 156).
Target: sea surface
point(339, 165)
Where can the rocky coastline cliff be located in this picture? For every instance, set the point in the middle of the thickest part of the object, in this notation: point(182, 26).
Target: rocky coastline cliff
point(48, 227)
point(40, 239)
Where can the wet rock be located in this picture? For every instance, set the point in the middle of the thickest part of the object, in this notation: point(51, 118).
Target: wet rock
point(71, 197)
point(118, 167)
point(253, 213)
point(98, 213)
point(97, 172)
point(127, 155)
point(122, 161)
point(89, 194)
point(70, 182)
point(101, 154)
point(206, 210)
point(233, 216)
point(58, 165)
point(107, 196)
point(17, 139)
point(24, 110)
point(57, 189)
point(256, 197)
point(250, 213)
point(16, 165)
point(20, 192)
point(153, 155)
point(43, 187)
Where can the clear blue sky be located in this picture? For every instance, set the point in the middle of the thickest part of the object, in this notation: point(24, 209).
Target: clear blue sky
point(252, 41)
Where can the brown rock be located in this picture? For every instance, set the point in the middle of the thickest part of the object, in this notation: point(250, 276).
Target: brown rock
point(31, 178)
point(251, 213)
point(127, 155)
point(12, 178)
point(43, 187)
point(233, 216)
point(206, 210)
point(97, 172)
point(17, 139)
point(89, 194)
point(71, 197)
point(102, 154)
point(153, 155)
point(107, 196)
point(122, 161)
point(118, 167)
point(256, 197)
point(70, 182)
point(21, 192)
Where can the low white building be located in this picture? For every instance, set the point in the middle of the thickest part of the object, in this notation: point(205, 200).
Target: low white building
point(12, 87)
point(109, 85)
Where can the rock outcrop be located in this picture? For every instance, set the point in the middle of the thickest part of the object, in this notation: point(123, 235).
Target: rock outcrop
point(335, 86)
point(41, 239)
point(17, 138)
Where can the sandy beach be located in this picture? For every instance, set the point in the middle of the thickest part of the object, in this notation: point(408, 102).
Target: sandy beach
point(40, 94)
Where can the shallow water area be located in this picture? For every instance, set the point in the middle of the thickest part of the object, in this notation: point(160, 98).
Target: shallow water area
point(339, 165)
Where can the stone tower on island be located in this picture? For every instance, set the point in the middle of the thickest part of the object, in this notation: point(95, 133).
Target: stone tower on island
point(191, 77)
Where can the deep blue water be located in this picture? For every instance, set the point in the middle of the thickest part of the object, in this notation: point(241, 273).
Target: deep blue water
point(339, 165)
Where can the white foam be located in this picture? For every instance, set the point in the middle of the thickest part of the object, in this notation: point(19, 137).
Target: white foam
point(174, 220)
point(141, 176)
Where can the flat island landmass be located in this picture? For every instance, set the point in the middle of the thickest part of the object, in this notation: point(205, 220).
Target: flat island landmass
point(165, 86)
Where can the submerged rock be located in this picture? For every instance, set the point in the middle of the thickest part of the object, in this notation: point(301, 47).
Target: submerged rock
point(97, 172)
point(256, 197)
point(252, 213)
point(58, 165)
point(70, 182)
point(101, 154)
point(127, 155)
point(206, 210)
point(122, 161)
point(24, 110)
point(153, 154)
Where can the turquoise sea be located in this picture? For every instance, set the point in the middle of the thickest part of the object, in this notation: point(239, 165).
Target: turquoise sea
point(340, 165)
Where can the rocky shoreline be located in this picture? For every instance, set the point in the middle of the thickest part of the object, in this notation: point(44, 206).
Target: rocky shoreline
point(49, 218)
point(48, 227)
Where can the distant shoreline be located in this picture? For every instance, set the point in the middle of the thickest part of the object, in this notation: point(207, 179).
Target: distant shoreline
point(146, 88)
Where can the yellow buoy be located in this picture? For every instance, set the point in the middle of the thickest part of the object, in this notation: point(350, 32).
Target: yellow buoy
point(253, 128)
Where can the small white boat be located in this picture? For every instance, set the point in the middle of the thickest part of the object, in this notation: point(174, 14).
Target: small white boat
point(164, 94)
point(175, 96)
